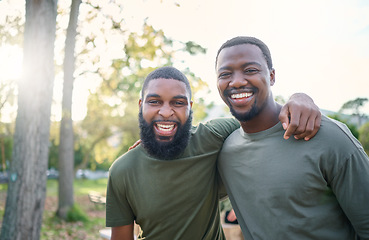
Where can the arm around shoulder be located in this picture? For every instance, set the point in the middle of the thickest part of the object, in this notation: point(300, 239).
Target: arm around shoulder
point(300, 117)
point(122, 232)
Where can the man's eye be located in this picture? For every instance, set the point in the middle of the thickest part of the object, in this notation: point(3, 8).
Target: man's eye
point(224, 75)
point(251, 71)
point(153, 102)
point(179, 103)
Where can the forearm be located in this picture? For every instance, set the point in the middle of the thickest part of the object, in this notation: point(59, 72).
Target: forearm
point(122, 232)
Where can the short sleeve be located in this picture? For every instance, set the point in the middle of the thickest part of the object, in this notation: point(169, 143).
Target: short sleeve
point(351, 186)
point(223, 127)
point(118, 210)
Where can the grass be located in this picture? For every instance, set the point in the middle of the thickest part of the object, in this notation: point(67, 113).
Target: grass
point(57, 229)
point(81, 186)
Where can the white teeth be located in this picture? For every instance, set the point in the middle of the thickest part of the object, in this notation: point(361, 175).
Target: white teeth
point(241, 95)
point(165, 128)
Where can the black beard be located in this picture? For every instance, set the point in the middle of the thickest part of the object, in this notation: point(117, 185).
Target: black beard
point(243, 117)
point(164, 150)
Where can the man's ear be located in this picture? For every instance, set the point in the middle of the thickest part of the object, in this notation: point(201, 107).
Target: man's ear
point(140, 102)
point(272, 77)
point(191, 103)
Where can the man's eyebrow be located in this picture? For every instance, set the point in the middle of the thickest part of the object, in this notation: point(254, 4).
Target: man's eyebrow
point(243, 66)
point(154, 95)
point(251, 63)
point(180, 97)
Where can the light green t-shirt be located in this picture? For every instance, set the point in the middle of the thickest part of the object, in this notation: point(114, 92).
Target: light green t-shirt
point(295, 189)
point(175, 199)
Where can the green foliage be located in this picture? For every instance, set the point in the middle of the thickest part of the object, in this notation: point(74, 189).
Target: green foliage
point(76, 214)
point(7, 96)
point(53, 154)
point(194, 48)
point(55, 228)
point(3, 187)
point(280, 99)
point(352, 127)
point(6, 147)
point(11, 31)
point(364, 136)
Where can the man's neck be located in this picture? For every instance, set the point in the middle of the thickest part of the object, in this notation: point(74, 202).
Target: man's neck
point(266, 119)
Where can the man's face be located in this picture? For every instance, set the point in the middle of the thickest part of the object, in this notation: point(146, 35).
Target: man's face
point(244, 80)
point(165, 117)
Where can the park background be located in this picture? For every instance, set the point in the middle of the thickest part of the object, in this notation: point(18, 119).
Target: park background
point(319, 47)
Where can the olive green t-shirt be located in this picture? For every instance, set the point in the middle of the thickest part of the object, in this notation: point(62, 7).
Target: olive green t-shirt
point(171, 199)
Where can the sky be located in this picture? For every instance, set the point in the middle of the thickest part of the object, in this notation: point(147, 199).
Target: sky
point(319, 47)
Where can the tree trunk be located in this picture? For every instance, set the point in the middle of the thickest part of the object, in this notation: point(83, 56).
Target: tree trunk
point(66, 146)
point(27, 184)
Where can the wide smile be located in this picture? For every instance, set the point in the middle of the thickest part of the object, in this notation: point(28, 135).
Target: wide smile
point(241, 95)
point(165, 131)
point(240, 98)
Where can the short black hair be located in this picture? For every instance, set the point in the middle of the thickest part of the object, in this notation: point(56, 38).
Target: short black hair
point(166, 72)
point(248, 40)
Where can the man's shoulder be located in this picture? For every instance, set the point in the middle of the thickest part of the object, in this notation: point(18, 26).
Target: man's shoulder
point(332, 126)
point(337, 134)
point(127, 160)
point(217, 126)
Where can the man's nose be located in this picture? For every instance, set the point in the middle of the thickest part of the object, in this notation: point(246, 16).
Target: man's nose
point(238, 80)
point(166, 111)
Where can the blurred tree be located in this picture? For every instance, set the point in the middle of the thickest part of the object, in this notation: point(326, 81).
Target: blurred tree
point(27, 183)
point(11, 31)
point(280, 99)
point(7, 90)
point(364, 136)
point(66, 143)
point(353, 107)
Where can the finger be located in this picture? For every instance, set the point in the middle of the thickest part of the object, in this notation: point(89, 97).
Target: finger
point(305, 125)
point(284, 117)
point(308, 129)
point(312, 126)
point(315, 127)
point(293, 124)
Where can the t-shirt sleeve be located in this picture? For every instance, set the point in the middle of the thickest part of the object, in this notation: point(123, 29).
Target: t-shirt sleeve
point(118, 210)
point(222, 192)
point(351, 187)
point(223, 127)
